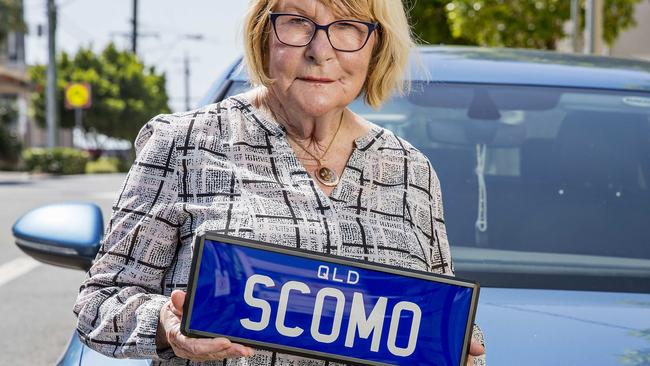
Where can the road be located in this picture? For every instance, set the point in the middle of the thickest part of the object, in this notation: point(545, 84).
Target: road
point(36, 299)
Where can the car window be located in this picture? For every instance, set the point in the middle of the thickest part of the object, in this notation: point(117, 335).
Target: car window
point(562, 173)
point(237, 87)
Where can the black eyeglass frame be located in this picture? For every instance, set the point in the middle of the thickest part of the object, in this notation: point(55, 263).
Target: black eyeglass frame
point(325, 27)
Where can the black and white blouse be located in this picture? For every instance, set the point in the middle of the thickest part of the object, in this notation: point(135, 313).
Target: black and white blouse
point(228, 167)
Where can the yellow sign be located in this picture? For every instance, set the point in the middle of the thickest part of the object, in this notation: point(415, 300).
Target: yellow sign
point(77, 96)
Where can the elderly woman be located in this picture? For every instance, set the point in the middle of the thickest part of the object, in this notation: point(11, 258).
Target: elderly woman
point(285, 163)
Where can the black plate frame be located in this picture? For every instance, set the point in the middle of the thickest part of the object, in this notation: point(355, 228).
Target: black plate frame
point(334, 259)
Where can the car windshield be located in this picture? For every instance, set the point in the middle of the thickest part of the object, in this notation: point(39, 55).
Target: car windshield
point(549, 183)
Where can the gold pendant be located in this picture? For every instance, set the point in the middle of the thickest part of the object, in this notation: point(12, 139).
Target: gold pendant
point(327, 176)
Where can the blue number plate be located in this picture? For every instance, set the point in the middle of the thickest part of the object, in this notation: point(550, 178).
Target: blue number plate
point(328, 307)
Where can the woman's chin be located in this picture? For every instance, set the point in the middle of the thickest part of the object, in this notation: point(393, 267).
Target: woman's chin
point(318, 105)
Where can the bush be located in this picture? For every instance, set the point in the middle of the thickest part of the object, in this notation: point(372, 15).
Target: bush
point(58, 160)
point(125, 164)
point(9, 149)
point(9, 144)
point(103, 165)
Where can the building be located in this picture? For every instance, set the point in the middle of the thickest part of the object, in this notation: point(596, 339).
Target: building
point(635, 42)
point(15, 91)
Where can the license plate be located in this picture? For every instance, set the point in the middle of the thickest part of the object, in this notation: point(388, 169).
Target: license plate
point(329, 307)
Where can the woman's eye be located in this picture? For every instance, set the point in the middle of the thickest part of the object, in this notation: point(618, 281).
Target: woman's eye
point(348, 27)
point(298, 21)
point(345, 25)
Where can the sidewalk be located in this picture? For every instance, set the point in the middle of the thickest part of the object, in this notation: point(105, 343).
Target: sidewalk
point(7, 177)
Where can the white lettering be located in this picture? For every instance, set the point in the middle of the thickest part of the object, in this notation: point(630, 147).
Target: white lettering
point(394, 324)
point(257, 303)
point(358, 323)
point(323, 272)
point(356, 277)
point(334, 276)
point(351, 278)
point(318, 311)
point(282, 308)
point(374, 322)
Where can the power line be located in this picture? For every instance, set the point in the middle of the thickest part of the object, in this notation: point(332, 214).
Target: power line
point(70, 23)
point(179, 39)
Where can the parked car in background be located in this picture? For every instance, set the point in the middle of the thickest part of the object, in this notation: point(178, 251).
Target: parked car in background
point(544, 162)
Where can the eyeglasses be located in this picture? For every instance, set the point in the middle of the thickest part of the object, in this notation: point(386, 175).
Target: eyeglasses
point(344, 35)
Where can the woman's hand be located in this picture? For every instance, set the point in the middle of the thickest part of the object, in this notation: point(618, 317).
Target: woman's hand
point(195, 349)
point(475, 350)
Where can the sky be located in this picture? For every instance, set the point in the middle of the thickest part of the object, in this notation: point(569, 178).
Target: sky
point(94, 23)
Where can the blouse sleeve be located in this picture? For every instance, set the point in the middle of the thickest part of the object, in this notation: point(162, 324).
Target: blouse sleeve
point(119, 302)
point(441, 244)
point(441, 261)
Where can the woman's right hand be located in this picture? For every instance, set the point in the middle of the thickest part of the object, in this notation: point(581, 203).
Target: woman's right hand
point(195, 349)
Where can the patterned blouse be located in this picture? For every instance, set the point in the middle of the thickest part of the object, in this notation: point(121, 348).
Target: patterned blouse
point(229, 168)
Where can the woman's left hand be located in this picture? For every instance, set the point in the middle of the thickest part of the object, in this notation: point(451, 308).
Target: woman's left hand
point(475, 350)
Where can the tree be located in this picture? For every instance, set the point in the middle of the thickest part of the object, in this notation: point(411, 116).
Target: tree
point(514, 23)
point(9, 145)
point(11, 19)
point(619, 16)
point(430, 24)
point(125, 93)
point(511, 23)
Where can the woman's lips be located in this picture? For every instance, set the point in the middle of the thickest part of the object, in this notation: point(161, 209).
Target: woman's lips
point(310, 79)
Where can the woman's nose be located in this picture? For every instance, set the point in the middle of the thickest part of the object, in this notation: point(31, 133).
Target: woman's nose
point(320, 49)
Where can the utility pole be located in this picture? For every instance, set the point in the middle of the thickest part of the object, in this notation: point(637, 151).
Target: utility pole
point(594, 27)
point(575, 21)
point(51, 110)
point(134, 34)
point(186, 62)
point(186, 68)
point(187, 73)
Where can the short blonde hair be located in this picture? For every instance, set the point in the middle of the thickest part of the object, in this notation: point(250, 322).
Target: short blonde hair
point(389, 62)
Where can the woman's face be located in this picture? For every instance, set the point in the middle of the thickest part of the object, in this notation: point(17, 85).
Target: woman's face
point(316, 79)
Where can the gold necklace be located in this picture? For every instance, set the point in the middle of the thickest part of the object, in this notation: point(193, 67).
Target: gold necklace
point(324, 174)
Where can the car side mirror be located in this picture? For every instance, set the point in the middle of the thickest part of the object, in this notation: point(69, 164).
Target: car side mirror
point(65, 235)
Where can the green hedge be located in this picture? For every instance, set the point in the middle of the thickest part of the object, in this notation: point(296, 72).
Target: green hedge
point(103, 165)
point(58, 160)
point(9, 148)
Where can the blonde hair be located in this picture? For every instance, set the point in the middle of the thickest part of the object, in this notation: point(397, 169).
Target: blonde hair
point(388, 64)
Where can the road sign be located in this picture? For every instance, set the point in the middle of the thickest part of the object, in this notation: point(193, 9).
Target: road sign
point(327, 307)
point(78, 96)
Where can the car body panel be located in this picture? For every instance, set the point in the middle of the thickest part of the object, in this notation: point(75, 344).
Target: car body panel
point(528, 67)
point(45, 234)
point(453, 64)
point(543, 327)
point(78, 354)
point(47, 223)
point(72, 354)
point(217, 87)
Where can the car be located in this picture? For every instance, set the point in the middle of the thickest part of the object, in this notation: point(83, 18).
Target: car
point(544, 163)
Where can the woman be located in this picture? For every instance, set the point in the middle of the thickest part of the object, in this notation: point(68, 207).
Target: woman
point(286, 163)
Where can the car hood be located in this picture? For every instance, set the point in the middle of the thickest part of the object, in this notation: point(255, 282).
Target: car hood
point(553, 327)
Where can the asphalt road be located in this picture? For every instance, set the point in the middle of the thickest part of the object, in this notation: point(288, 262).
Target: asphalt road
point(36, 299)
